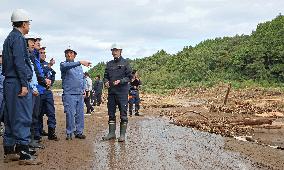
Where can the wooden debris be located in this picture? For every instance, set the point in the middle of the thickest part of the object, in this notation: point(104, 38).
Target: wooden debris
point(251, 122)
point(227, 94)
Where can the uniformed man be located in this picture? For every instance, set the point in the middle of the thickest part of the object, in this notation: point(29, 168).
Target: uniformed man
point(42, 86)
point(17, 92)
point(47, 101)
point(98, 90)
point(73, 94)
point(36, 80)
point(116, 78)
point(134, 94)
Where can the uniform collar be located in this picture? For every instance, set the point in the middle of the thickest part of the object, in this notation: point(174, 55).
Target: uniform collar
point(17, 31)
point(36, 53)
point(117, 59)
point(70, 61)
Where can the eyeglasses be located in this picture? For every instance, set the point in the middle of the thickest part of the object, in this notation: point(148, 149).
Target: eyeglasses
point(42, 52)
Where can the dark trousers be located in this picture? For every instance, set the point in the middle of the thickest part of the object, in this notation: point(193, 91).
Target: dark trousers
point(17, 114)
point(98, 98)
point(35, 131)
point(119, 100)
point(92, 99)
point(47, 107)
point(87, 101)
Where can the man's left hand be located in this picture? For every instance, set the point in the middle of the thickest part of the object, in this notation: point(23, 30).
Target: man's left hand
point(116, 82)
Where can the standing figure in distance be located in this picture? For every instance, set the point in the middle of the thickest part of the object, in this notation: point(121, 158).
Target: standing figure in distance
point(98, 90)
point(88, 88)
point(134, 94)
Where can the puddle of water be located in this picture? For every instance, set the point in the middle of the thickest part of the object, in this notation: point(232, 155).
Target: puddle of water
point(155, 144)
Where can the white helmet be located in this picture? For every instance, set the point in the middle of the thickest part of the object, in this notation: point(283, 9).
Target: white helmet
point(115, 46)
point(69, 48)
point(32, 36)
point(20, 15)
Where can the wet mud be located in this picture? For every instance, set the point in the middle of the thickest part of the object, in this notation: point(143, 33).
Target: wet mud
point(153, 143)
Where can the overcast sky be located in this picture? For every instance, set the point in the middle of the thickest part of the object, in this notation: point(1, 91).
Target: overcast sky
point(142, 27)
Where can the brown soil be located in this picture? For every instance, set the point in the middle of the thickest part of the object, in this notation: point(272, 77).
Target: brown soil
point(254, 113)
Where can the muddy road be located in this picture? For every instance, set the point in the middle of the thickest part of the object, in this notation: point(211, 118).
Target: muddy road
point(155, 142)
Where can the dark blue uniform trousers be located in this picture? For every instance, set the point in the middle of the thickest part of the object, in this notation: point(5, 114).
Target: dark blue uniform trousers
point(47, 107)
point(36, 113)
point(120, 100)
point(74, 110)
point(17, 114)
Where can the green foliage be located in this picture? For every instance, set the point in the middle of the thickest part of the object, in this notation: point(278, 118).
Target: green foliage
point(97, 70)
point(244, 60)
point(57, 84)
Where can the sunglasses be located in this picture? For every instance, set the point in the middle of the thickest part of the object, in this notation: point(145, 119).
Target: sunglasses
point(42, 52)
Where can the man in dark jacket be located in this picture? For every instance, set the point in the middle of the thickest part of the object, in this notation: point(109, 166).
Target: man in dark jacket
point(98, 90)
point(116, 78)
point(38, 80)
point(17, 92)
point(47, 101)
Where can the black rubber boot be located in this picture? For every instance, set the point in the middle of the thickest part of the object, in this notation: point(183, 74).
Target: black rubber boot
point(10, 154)
point(25, 157)
point(111, 133)
point(43, 133)
point(137, 107)
point(130, 109)
point(51, 134)
point(123, 127)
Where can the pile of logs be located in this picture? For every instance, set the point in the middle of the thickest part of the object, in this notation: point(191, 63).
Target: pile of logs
point(226, 127)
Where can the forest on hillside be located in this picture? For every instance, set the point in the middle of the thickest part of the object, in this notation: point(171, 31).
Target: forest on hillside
point(257, 58)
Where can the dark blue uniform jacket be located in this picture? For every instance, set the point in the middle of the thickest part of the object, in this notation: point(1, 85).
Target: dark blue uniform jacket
point(16, 62)
point(118, 69)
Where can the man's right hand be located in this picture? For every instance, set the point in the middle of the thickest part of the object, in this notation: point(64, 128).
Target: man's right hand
point(48, 82)
point(86, 63)
point(35, 93)
point(51, 62)
point(107, 84)
point(24, 91)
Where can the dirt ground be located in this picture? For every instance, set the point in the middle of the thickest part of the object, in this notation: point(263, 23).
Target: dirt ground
point(188, 129)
